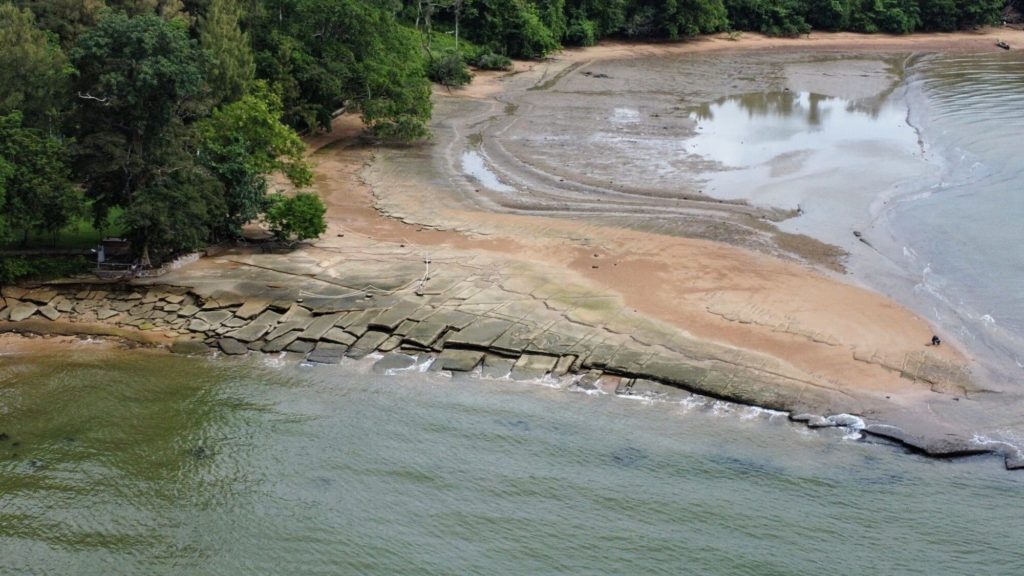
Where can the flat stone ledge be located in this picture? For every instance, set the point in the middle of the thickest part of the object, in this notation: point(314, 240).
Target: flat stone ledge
point(459, 360)
point(232, 347)
point(22, 311)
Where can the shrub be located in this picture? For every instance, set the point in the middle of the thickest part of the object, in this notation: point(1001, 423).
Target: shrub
point(492, 61)
point(297, 218)
point(448, 69)
point(581, 32)
point(15, 268)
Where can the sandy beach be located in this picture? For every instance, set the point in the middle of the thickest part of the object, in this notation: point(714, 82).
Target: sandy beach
point(790, 310)
point(782, 298)
point(661, 272)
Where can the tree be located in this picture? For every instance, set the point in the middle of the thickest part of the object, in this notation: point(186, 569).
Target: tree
point(176, 208)
point(243, 142)
point(510, 27)
point(675, 18)
point(771, 17)
point(326, 56)
point(827, 14)
point(457, 10)
point(449, 69)
point(139, 81)
point(65, 18)
point(35, 71)
point(166, 9)
point(971, 13)
point(38, 194)
point(296, 218)
point(891, 16)
point(6, 170)
point(230, 62)
point(606, 16)
point(938, 15)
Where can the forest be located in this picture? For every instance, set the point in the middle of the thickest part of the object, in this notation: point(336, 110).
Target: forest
point(162, 119)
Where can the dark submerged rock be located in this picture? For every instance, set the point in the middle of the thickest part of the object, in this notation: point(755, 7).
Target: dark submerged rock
point(189, 346)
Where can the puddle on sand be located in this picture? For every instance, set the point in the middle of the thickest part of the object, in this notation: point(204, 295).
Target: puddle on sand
point(474, 166)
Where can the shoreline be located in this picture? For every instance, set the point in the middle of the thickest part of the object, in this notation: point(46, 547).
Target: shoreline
point(575, 295)
point(40, 335)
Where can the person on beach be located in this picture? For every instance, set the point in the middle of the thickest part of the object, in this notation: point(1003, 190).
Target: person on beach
point(936, 340)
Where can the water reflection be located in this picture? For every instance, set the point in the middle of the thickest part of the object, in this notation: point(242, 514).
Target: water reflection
point(749, 129)
point(812, 108)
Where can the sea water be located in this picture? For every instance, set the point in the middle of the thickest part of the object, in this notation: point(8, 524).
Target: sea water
point(137, 463)
point(962, 238)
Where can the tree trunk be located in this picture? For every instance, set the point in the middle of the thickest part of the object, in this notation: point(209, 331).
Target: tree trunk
point(144, 261)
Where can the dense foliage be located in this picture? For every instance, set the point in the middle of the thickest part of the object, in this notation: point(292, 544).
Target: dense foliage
point(36, 191)
point(172, 114)
point(531, 28)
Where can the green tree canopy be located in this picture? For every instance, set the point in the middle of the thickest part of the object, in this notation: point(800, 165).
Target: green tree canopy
point(323, 56)
point(65, 18)
point(35, 71)
point(296, 218)
point(230, 63)
point(6, 170)
point(166, 9)
point(772, 17)
point(512, 27)
point(243, 142)
point(139, 82)
point(37, 190)
point(177, 207)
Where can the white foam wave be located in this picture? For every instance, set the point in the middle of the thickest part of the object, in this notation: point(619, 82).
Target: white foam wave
point(721, 408)
point(852, 424)
point(278, 361)
point(548, 381)
point(424, 364)
point(639, 398)
point(587, 391)
point(756, 412)
point(693, 401)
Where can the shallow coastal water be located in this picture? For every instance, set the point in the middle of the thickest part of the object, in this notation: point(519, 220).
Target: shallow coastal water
point(137, 463)
point(921, 185)
point(960, 237)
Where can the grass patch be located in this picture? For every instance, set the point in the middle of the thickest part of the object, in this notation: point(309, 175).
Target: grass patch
point(80, 234)
point(15, 268)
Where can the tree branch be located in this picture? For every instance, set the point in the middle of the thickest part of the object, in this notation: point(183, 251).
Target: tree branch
point(88, 96)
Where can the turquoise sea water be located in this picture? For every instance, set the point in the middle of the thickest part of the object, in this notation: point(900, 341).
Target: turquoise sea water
point(137, 463)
